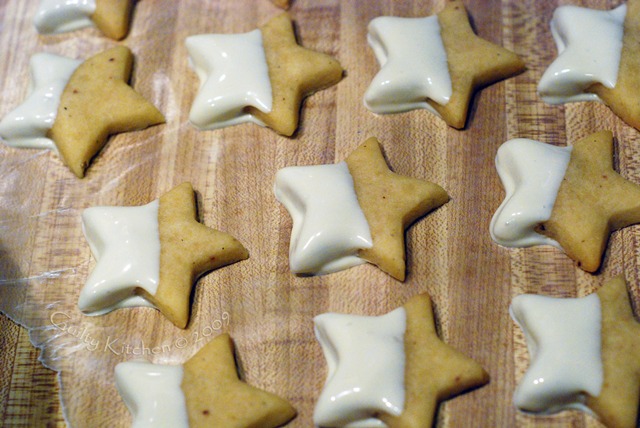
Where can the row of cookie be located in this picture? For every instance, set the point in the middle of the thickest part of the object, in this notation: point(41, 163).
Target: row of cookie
point(427, 61)
point(272, 74)
point(152, 254)
point(356, 211)
point(75, 105)
point(111, 17)
point(393, 370)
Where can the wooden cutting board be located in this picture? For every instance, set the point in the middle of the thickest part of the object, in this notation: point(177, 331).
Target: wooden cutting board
point(44, 259)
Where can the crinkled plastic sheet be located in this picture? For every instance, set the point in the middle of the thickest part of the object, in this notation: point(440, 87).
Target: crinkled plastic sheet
point(44, 261)
point(39, 290)
point(44, 258)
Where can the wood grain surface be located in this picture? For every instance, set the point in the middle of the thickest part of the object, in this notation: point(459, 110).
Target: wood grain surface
point(44, 259)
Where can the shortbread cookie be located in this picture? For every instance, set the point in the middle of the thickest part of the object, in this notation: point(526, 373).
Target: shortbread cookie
point(295, 72)
point(413, 370)
point(586, 350)
point(96, 103)
point(109, 16)
point(75, 106)
point(203, 392)
point(152, 255)
point(391, 203)
point(569, 197)
point(593, 201)
point(436, 63)
point(267, 76)
point(352, 212)
point(598, 59)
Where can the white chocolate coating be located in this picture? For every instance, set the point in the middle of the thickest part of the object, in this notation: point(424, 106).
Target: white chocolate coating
point(234, 74)
point(60, 16)
point(564, 342)
point(531, 173)
point(28, 124)
point(153, 394)
point(125, 242)
point(329, 226)
point(365, 358)
point(589, 46)
point(413, 65)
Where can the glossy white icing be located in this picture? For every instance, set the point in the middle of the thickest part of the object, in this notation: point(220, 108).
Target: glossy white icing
point(59, 16)
point(531, 173)
point(153, 394)
point(413, 65)
point(329, 226)
point(564, 341)
point(234, 74)
point(27, 125)
point(589, 46)
point(365, 359)
point(125, 242)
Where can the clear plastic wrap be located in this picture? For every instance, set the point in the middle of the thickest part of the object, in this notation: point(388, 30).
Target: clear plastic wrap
point(45, 260)
point(44, 256)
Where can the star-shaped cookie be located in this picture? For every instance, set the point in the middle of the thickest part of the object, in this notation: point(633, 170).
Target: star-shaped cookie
point(592, 202)
point(152, 255)
point(472, 63)
point(352, 211)
point(96, 103)
point(295, 73)
point(431, 372)
point(109, 16)
point(262, 77)
point(203, 392)
point(390, 202)
point(584, 354)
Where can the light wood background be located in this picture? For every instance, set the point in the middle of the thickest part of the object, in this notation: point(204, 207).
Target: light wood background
point(44, 259)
